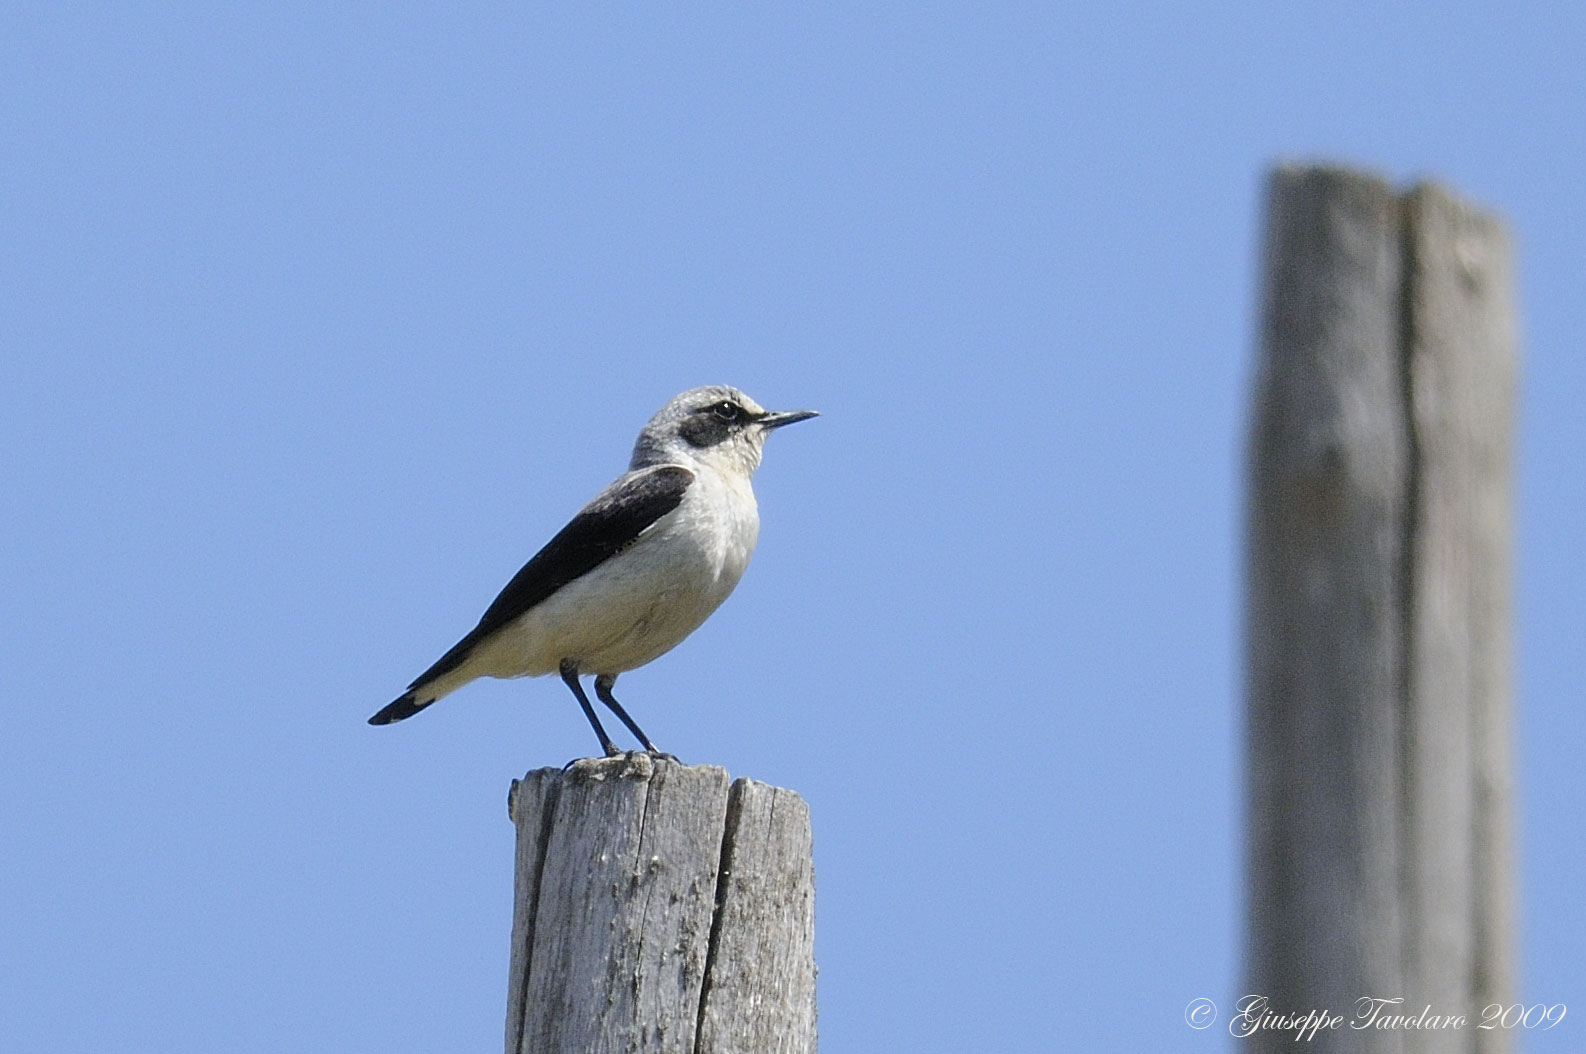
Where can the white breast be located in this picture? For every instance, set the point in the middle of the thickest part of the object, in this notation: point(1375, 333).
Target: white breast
point(644, 601)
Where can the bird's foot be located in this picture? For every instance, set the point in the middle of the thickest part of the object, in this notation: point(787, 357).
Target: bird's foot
point(630, 755)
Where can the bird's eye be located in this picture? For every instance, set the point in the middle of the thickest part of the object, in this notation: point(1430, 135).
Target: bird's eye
point(727, 411)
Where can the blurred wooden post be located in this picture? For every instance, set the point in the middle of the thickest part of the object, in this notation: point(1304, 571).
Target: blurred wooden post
point(1380, 797)
point(657, 909)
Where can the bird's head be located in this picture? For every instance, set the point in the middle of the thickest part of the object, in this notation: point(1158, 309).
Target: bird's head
point(715, 425)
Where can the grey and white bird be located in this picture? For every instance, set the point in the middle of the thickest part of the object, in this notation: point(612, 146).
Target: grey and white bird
point(635, 572)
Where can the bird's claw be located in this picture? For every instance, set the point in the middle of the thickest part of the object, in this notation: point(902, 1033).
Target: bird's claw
point(617, 752)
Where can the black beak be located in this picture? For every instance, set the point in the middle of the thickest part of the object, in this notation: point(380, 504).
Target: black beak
point(779, 418)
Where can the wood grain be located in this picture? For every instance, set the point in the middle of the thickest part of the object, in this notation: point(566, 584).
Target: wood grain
point(628, 933)
point(1377, 611)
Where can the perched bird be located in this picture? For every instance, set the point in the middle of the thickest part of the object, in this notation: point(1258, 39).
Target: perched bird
point(636, 571)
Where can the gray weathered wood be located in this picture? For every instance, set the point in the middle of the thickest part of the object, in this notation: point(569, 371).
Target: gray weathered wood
point(1462, 355)
point(623, 911)
point(764, 939)
point(529, 804)
point(1329, 465)
point(1377, 631)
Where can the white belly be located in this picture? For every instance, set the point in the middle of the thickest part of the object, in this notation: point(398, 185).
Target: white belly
point(642, 602)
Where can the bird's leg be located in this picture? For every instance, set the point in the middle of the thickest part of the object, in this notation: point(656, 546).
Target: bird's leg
point(569, 670)
point(603, 685)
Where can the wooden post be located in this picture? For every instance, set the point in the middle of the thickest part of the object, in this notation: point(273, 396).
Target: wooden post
point(658, 909)
point(1377, 636)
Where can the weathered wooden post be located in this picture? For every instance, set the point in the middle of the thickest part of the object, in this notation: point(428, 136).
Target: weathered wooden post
point(1377, 612)
point(657, 908)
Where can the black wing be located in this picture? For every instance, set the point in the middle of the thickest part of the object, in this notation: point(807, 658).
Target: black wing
point(604, 528)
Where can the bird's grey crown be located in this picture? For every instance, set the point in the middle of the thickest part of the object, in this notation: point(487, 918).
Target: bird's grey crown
point(699, 418)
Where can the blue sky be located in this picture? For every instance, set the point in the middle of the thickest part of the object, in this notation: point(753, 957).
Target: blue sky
point(318, 321)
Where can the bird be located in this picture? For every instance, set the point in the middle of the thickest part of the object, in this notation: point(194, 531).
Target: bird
point(635, 572)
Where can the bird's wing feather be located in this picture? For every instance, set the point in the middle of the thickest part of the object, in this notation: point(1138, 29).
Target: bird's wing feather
point(601, 530)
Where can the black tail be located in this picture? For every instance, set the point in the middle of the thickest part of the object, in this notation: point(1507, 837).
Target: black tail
point(404, 706)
